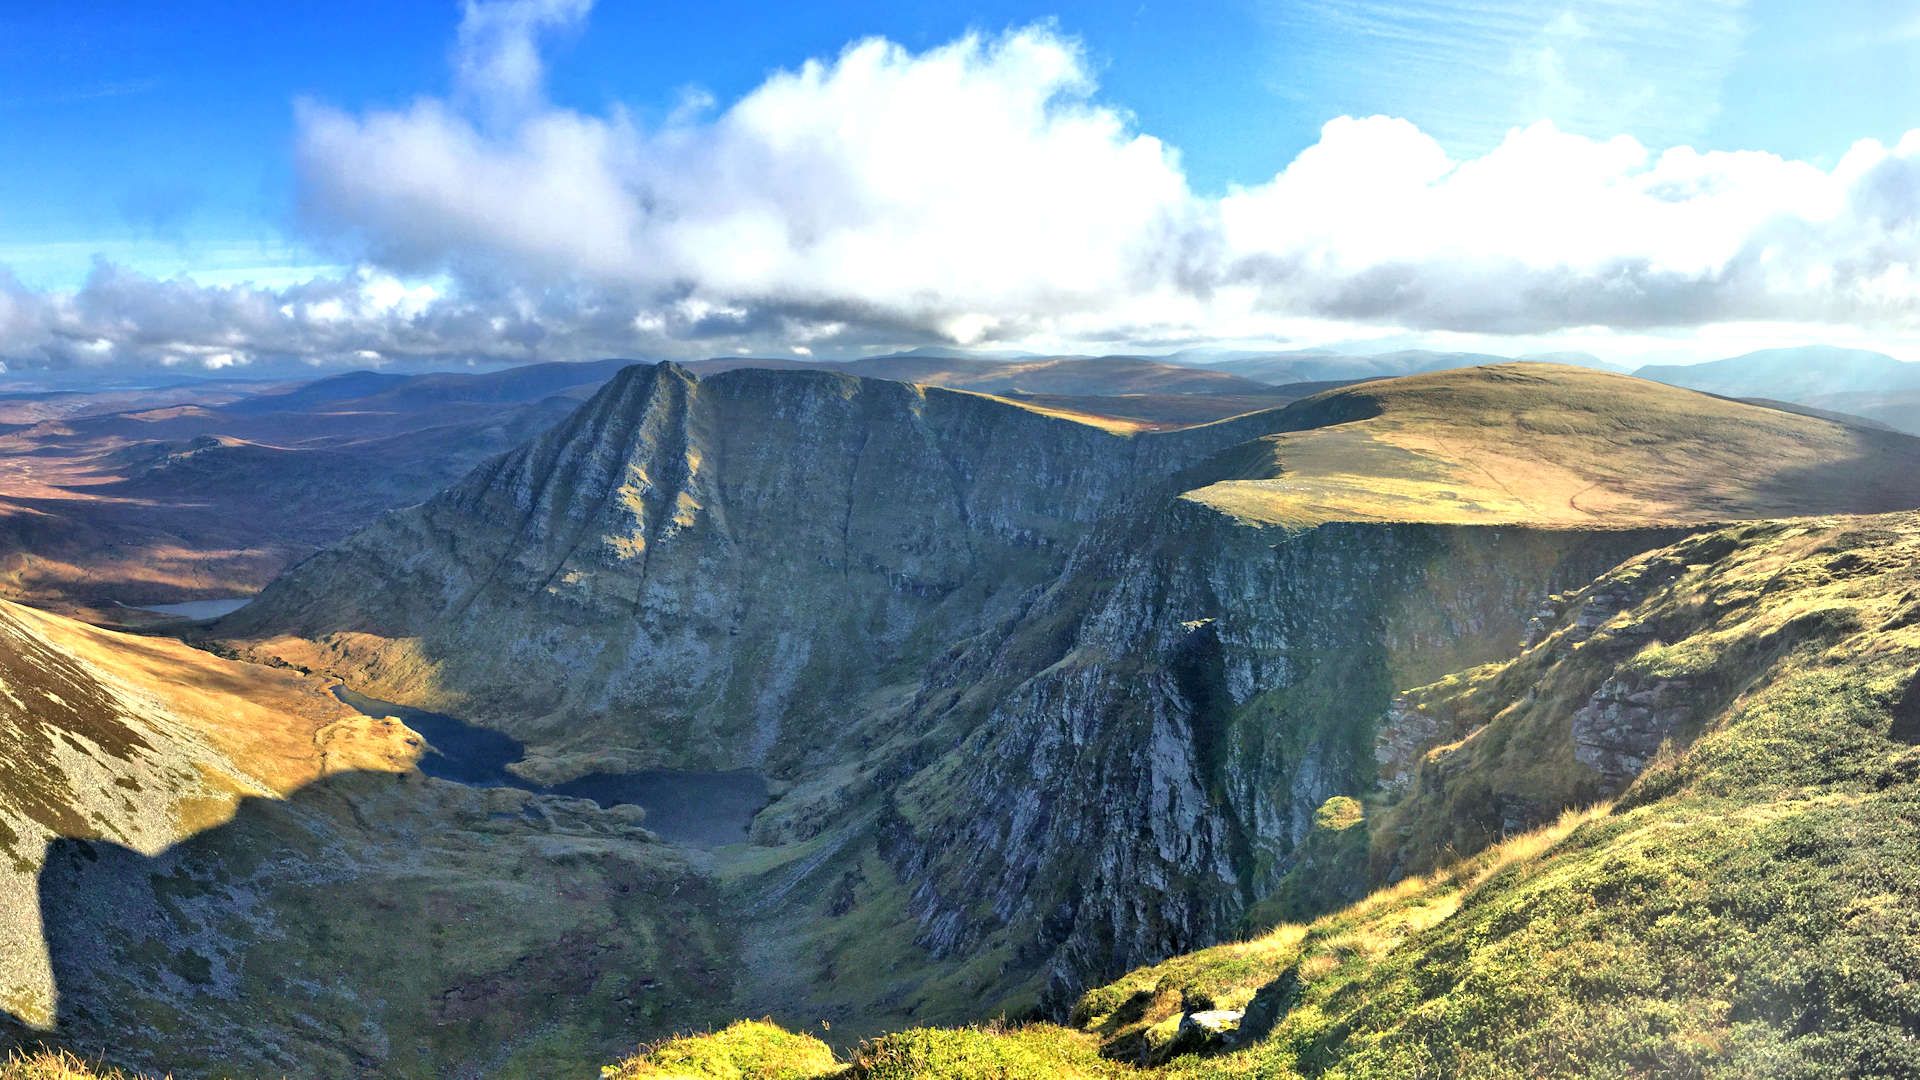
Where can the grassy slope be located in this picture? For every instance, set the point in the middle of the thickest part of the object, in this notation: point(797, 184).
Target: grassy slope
point(1546, 444)
point(56, 1065)
point(142, 742)
point(154, 768)
point(1747, 907)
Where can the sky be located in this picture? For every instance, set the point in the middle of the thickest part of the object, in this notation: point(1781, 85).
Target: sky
point(244, 188)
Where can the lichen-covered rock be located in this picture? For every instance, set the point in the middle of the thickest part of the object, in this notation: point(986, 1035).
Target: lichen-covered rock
point(1205, 1031)
point(1624, 723)
point(1406, 734)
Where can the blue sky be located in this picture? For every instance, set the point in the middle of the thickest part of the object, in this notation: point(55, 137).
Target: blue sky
point(173, 140)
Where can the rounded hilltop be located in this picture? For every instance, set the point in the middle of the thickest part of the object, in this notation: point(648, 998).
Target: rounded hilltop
point(1547, 444)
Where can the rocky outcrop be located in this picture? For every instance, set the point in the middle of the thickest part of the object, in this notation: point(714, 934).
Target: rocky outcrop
point(1216, 683)
point(1407, 732)
point(712, 573)
point(1624, 723)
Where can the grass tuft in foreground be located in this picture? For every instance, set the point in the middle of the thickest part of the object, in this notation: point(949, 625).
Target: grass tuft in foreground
point(56, 1065)
point(1031, 1052)
point(754, 1049)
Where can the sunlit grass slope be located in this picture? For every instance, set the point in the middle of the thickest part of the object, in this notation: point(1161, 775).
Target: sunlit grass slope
point(55, 1065)
point(142, 742)
point(1547, 444)
point(1748, 906)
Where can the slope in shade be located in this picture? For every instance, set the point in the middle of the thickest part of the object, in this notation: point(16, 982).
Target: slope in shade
point(212, 869)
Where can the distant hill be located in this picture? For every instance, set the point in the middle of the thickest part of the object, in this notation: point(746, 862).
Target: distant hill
point(1332, 364)
point(1857, 382)
point(1794, 374)
point(1076, 375)
point(345, 386)
point(1543, 443)
point(1187, 371)
point(376, 390)
point(210, 489)
point(1898, 409)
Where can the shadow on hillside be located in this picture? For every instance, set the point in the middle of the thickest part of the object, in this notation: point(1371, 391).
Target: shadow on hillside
point(376, 924)
point(1882, 475)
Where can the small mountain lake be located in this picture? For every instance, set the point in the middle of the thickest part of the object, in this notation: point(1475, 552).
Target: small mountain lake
point(197, 609)
point(703, 809)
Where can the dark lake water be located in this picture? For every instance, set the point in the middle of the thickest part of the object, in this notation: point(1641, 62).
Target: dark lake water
point(705, 809)
point(200, 609)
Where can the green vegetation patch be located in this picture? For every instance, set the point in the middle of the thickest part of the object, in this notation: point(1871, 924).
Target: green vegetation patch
point(1032, 1052)
point(748, 1050)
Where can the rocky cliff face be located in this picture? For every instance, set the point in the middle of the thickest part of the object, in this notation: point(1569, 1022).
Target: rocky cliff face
point(1213, 686)
point(1078, 720)
point(1744, 907)
point(713, 573)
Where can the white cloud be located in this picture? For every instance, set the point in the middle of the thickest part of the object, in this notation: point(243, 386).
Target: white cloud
point(980, 192)
point(971, 183)
point(119, 318)
point(1553, 230)
point(496, 54)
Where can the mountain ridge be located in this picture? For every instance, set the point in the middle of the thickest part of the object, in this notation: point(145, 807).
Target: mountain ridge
point(933, 618)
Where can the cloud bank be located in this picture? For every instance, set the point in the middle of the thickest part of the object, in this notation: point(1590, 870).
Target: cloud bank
point(981, 192)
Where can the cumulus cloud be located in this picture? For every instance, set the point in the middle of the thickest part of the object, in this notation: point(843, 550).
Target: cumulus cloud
point(1552, 230)
point(978, 192)
point(958, 188)
point(496, 56)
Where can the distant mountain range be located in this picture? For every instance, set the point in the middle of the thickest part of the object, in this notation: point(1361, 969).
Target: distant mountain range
point(213, 488)
point(1816, 379)
point(126, 494)
point(1309, 365)
point(1858, 382)
point(1793, 374)
point(1032, 375)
